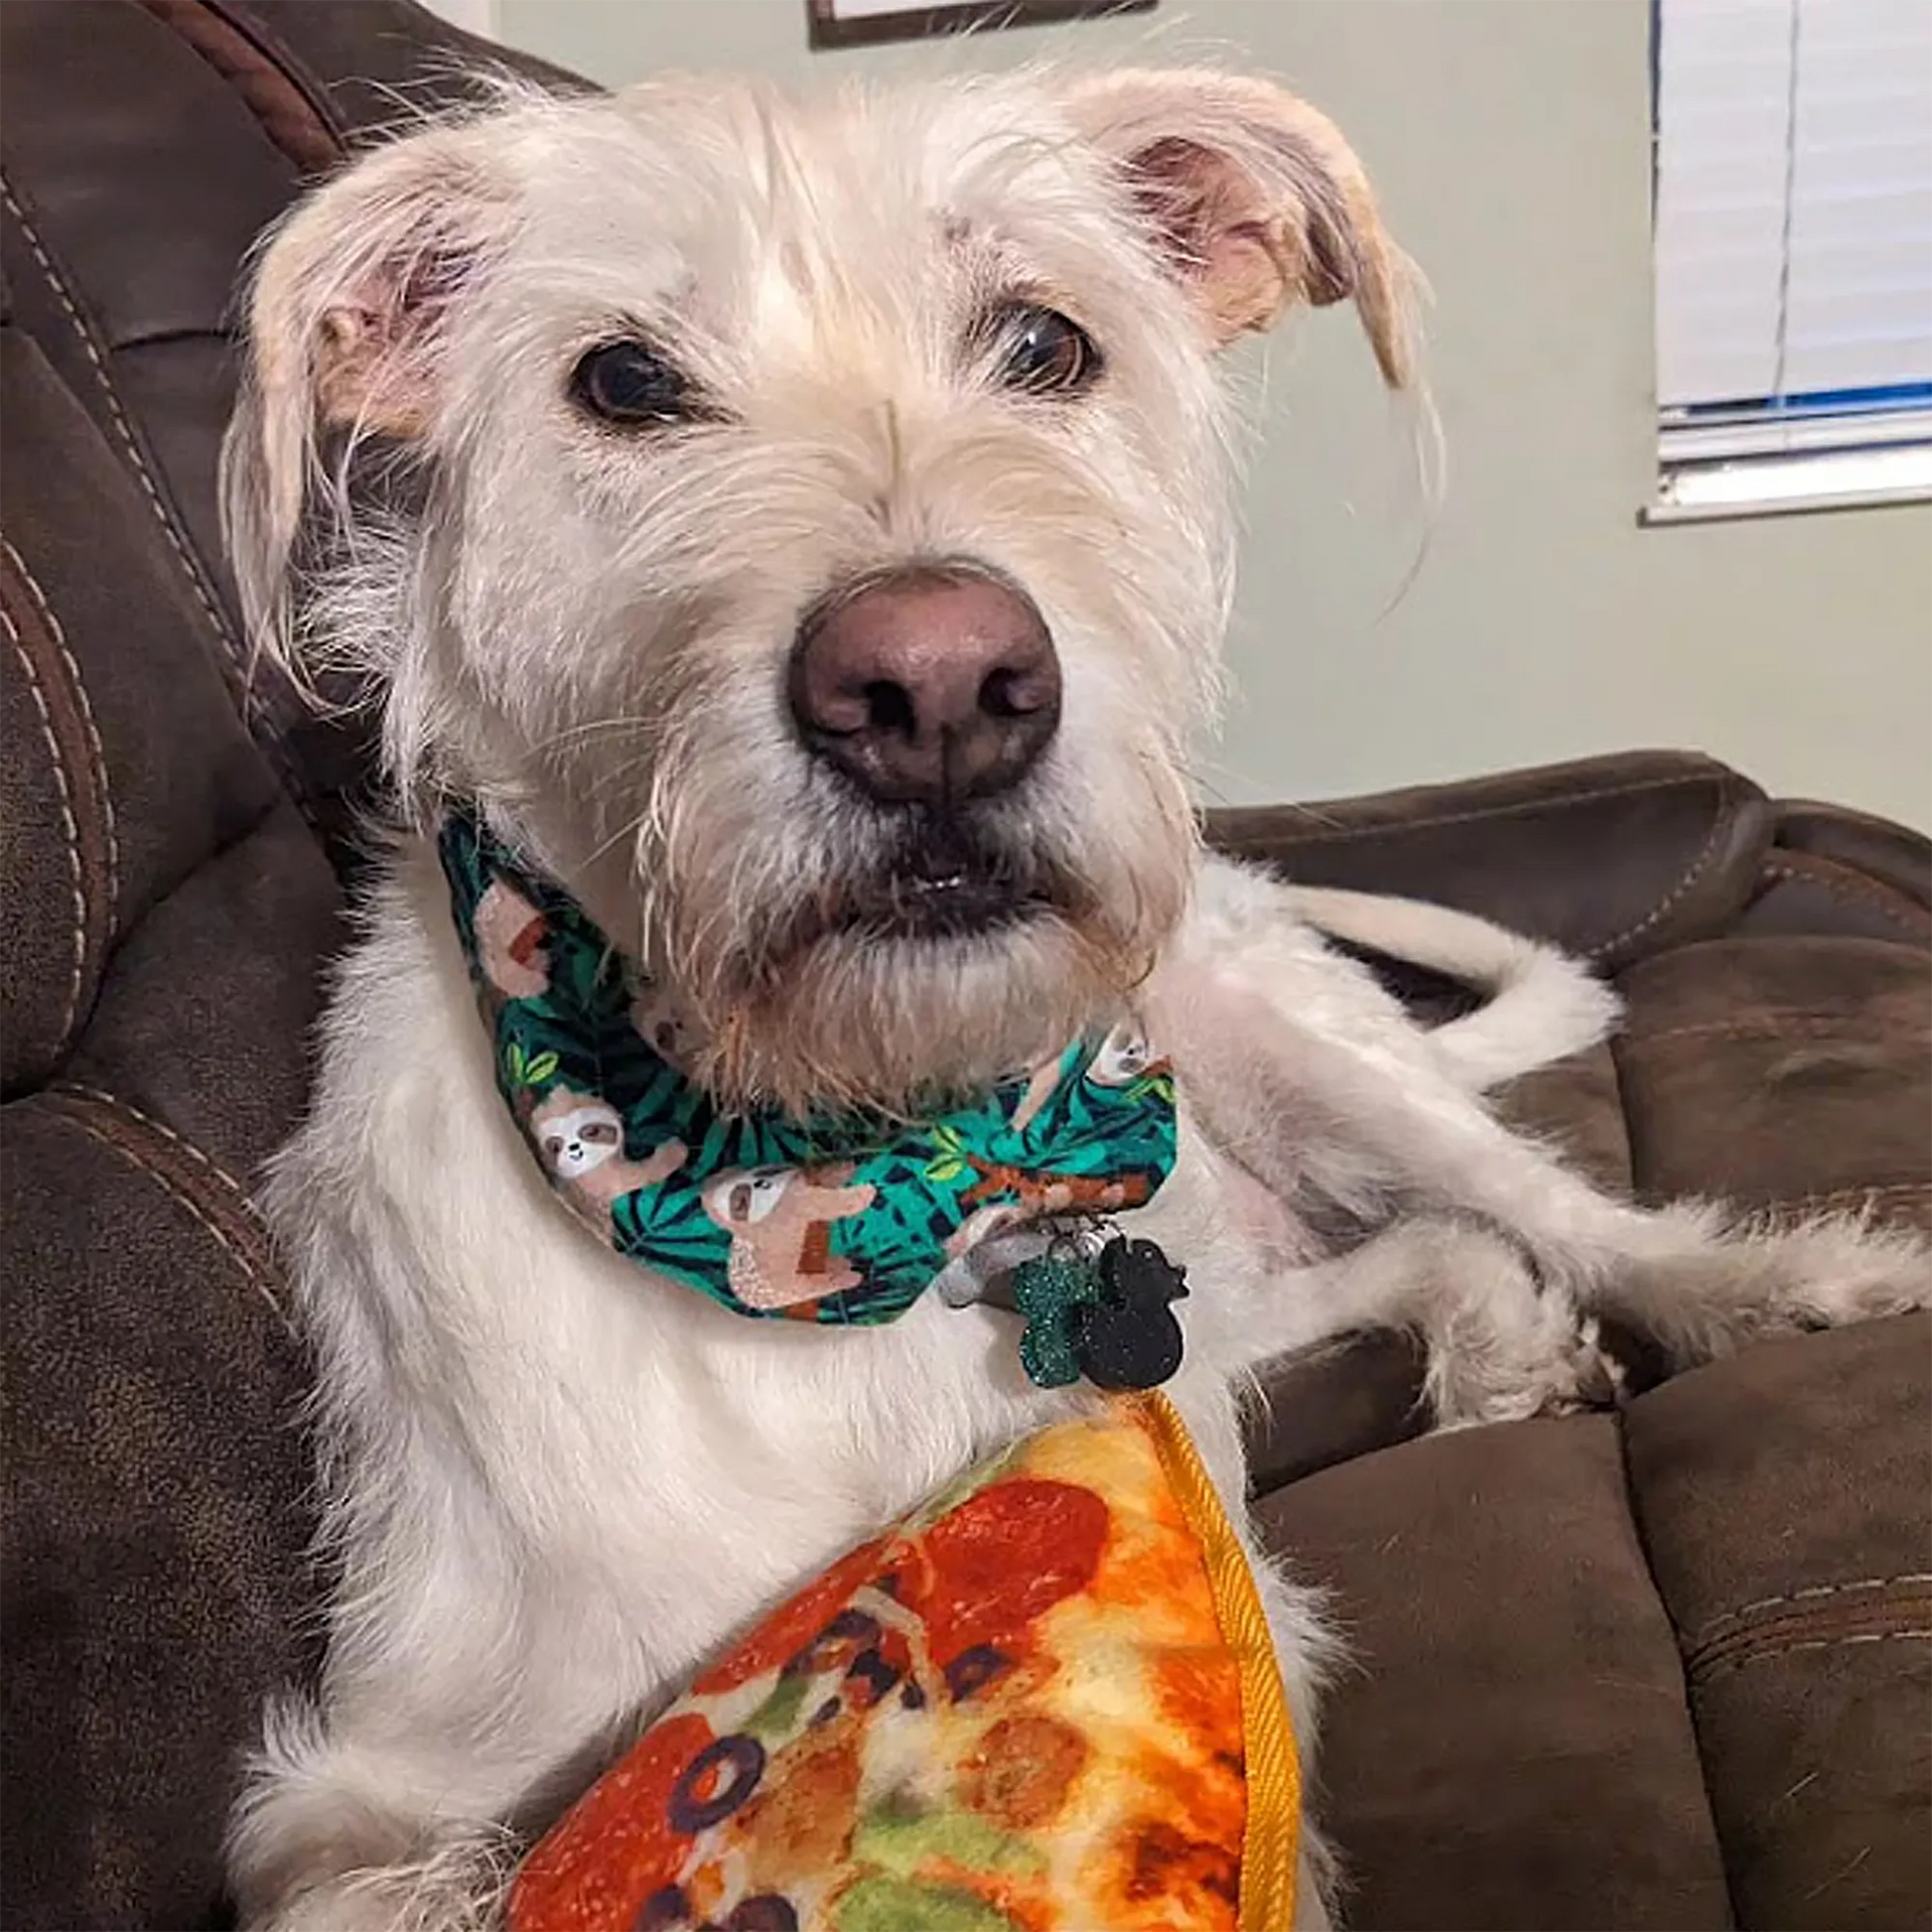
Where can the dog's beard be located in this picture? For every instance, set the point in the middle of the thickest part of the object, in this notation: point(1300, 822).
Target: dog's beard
point(900, 1024)
point(944, 964)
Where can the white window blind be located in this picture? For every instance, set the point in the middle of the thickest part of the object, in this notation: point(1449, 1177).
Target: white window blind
point(1794, 230)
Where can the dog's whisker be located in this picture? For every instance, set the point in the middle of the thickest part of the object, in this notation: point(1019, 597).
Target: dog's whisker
point(606, 846)
point(566, 736)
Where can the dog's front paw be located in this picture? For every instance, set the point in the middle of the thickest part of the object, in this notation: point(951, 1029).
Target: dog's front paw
point(333, 1908)
point(1555, 1364)
point(461, 1885)
point(413, 1899)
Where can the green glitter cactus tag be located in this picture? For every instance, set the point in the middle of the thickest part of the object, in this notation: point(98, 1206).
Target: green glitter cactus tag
point(1108, 1317)
point(1046, 1291)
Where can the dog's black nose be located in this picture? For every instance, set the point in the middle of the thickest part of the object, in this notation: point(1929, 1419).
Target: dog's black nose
point(927, 686)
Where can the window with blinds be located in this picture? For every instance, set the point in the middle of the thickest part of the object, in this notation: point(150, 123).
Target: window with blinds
point(1793, 252)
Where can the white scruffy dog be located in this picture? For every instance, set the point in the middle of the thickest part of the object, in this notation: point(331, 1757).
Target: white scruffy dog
point(815, 558)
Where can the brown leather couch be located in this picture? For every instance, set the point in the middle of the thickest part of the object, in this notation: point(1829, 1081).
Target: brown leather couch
point(1661, 1668)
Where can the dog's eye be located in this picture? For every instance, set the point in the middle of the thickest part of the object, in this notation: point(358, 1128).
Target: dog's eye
point(1044, 353)
point(626, 382)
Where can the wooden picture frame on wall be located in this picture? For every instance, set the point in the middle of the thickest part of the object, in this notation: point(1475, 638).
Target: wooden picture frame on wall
point(859, 23)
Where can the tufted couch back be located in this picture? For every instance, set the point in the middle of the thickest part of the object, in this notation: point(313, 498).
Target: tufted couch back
point(166, 828)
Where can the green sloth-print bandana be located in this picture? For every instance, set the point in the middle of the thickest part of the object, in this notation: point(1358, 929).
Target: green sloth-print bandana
point(842, 1220)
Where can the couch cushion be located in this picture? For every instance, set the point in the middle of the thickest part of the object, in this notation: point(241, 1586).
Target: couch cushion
point(125, 234)
point(1786, 1071)
point(108, 685)
point(169, 914)
point(1647, 1672)
point(1510, 1745)
point(1808, 1650)
point(153, 1492)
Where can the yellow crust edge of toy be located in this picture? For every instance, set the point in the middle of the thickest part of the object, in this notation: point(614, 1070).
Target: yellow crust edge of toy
point(1272, 1826)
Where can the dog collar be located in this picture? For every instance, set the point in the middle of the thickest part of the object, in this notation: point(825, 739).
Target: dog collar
point(836, 1219)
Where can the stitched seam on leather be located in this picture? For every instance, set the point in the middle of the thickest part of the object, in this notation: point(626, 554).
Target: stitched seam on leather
point(125, 430)
point(1828, 1615)
point(234, 672)
point(1720, 825)
point(1684, 781)
point(201, 1158)
point(84, 706)
point(78, 1104)
point(78, 878)
point(273, 56)
point(1854, 895)
point(1875, 1614)
point(1775, 1025)
point(254, 1275)
point(1812, 1593)
point(1744, 1659)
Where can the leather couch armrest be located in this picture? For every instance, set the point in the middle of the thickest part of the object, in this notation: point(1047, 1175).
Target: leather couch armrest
point(1611, 858)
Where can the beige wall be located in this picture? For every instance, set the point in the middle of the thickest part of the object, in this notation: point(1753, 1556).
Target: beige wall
point(1531, 619)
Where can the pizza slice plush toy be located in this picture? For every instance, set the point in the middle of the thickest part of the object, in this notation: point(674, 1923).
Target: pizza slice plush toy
point(1045, 1702)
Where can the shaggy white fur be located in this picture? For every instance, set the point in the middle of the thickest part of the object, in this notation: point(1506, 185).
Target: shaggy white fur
point(554, 1483)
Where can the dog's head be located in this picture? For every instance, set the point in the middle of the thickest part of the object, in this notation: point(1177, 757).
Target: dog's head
point(819, 546)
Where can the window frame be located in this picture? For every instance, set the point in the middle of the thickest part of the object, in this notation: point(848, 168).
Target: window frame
point(1777, 455)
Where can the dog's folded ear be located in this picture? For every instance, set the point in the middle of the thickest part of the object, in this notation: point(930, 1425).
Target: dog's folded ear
point(346, 320)
point(1254, 198)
